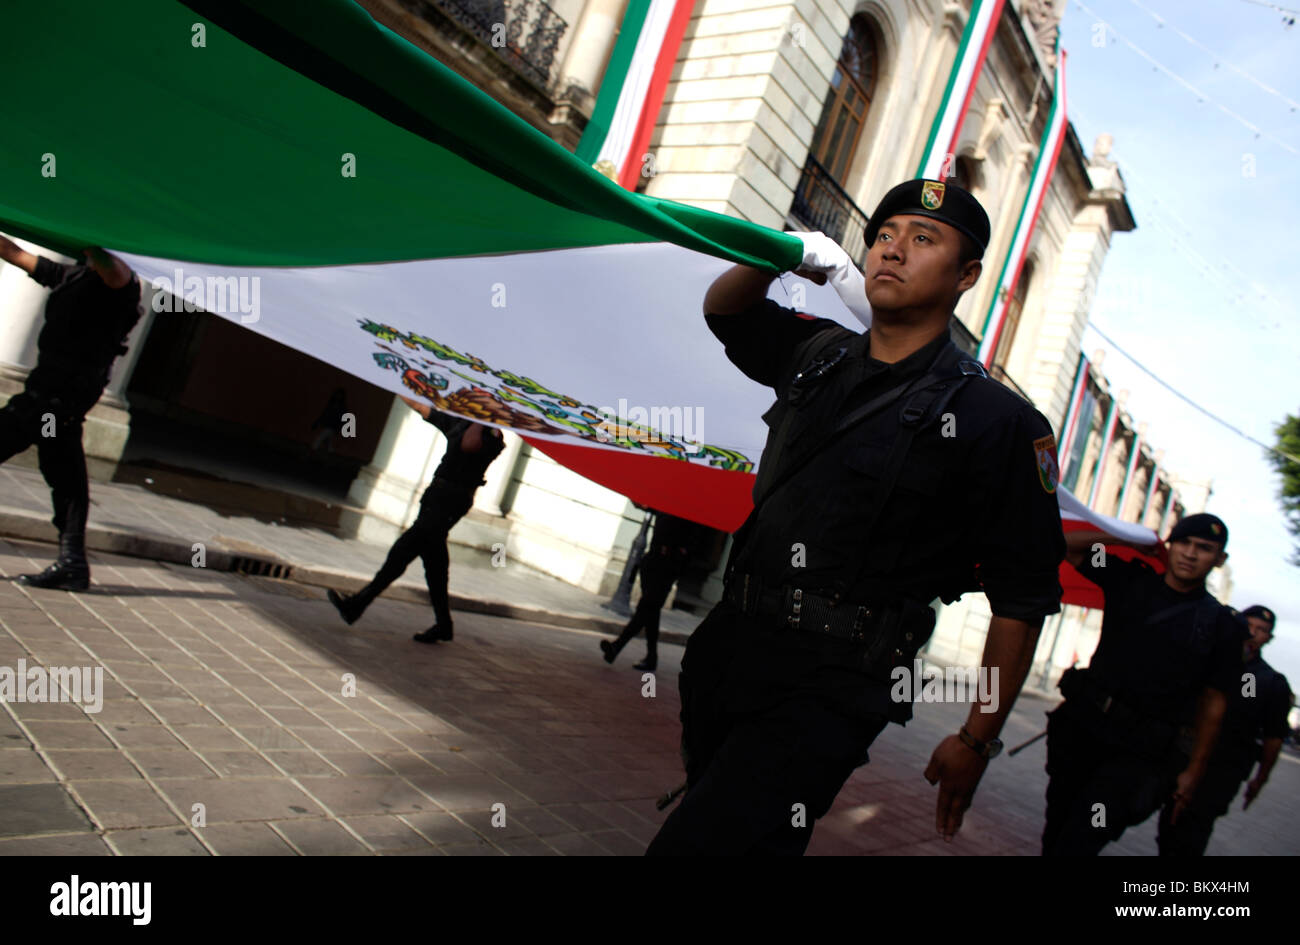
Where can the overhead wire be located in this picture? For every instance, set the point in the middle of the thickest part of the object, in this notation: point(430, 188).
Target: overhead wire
point(1183, 397)
point(1294, 105)
point(1202, 96)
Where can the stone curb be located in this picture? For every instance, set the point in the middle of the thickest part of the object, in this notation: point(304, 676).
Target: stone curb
point(30, 526)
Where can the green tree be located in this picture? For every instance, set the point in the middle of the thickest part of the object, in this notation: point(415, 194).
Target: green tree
point(1285, 462)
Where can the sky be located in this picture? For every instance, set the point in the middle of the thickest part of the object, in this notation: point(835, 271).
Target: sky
point(1203, 291)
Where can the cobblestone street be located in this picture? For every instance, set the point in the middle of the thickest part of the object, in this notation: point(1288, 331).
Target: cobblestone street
point(228, 692)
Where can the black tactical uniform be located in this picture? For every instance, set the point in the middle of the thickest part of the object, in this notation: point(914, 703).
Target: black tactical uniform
point(1250, 719)
point(1119, 739)
point(446, 500)
point(671, 546)
point(786, 683)
point(86, 324)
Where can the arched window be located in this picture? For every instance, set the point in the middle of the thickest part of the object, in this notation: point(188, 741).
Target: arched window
point(845, 111)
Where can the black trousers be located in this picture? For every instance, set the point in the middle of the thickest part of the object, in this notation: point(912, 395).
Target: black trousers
point(1097, 790)
point(426, 539)
point(657, 577)
point(1191, 835)
point(767, 739)
point(55, 428)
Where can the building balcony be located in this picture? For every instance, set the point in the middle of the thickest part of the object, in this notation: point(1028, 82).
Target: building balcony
point(524, 33)
point(821, 204)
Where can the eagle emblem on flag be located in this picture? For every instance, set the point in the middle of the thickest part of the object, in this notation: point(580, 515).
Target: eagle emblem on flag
point(932, 195)
point(1049, 473)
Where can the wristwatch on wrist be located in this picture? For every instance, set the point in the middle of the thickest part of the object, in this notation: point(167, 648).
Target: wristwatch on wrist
point(986, 750)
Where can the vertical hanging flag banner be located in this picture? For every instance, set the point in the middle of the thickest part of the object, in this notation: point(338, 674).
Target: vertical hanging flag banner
point(616, 95)
point(1071, 419)
point(1049, 149)
point(1170, 502)
point(973, 49)
point(1107, 431)
point(633, 88)
point(1129, 472)
point(1151, 489)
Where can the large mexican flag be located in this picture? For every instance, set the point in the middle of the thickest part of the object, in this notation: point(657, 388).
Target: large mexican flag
point(301, 170)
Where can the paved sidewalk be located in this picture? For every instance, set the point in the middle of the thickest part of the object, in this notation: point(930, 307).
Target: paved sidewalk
point(131, 520)
point(231, 692)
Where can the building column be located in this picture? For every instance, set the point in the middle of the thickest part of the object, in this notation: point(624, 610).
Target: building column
point(593, 40)
point(739, 117)
point(22, 313)
point(499, 475)
point(388, 489)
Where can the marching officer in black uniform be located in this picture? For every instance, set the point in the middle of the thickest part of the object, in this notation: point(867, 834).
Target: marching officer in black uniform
point(88, 315)
point(471, 448)
point(1253, 730)
point(671, 545)
point(895, 473)
point(1138, 725)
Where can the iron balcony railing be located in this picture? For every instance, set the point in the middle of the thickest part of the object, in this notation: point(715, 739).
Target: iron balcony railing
point(820, 203)
point(965, 339)
point(999, 373)
point(525, 33)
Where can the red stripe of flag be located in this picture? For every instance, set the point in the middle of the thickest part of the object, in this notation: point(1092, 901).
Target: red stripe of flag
point(655, 94)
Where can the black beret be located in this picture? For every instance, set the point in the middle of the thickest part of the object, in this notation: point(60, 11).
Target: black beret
point(1258, 610)
point(1201, 525)
point(931, 198)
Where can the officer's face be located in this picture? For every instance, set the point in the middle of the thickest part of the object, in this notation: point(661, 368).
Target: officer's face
point(1191, 559)
point(1260, 631)
point(915, 263)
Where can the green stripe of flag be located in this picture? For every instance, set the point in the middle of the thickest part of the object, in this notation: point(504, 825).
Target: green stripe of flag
point(235, 152)
point(611, 86)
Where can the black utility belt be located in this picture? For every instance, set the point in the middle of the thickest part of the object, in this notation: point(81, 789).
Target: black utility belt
point(456, 486)
point(909, 622)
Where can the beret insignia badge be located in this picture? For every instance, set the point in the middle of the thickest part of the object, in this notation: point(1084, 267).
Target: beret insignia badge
point(932, 195)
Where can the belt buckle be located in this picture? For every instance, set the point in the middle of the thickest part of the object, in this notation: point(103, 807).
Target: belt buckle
point(793, 619)
point(857, 632)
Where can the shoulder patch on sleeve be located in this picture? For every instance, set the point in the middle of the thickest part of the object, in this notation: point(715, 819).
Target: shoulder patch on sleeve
point(1048, 469)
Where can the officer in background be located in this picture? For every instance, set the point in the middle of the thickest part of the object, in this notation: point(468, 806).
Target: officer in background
point(471, 448)
point(1121, 744)
point(894, 473)
point(671, 546)
point(1253, 730)
point(88, 315)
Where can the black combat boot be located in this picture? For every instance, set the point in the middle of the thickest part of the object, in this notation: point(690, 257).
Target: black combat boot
point(648, 664)
point(440, 631)
point(351, 608)
point(71, 572)
point(612, 649)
